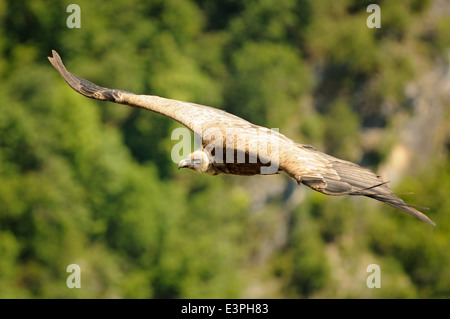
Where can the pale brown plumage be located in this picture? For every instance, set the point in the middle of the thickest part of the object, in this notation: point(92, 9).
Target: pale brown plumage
point(222, 132)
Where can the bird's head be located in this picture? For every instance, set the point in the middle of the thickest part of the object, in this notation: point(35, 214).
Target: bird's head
point(198, 161)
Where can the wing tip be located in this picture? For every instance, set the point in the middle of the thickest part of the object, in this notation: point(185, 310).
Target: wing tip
point(55, 59)
point(398, 203)
point(426, 219)
point(54, 55)
point(420, 216)
point(57, 63)
point(81, 85)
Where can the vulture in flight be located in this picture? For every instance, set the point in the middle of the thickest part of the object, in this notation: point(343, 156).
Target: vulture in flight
point(232, 145)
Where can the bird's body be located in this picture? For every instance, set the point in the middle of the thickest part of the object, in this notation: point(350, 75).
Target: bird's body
point(232, 145)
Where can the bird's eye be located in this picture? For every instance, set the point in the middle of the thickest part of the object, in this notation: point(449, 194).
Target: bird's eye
point(197, 161)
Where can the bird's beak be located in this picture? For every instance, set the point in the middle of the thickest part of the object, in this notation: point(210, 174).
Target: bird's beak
point(184, 163)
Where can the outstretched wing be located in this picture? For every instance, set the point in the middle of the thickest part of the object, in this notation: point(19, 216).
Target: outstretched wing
point(194, 116)
point(222, 131)
point(333, 176)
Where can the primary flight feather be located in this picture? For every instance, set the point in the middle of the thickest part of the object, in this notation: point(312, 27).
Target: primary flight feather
point(232, 145)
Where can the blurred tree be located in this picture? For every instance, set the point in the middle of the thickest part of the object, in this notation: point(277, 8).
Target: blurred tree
point(93, 183)
point(268, 82)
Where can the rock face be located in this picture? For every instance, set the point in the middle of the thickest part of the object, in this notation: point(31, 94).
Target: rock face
point(424, 137)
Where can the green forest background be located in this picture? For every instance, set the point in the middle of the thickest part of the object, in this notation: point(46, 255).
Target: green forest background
point(92, 183)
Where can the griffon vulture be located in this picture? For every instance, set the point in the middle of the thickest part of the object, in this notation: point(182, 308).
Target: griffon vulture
point(254, 149)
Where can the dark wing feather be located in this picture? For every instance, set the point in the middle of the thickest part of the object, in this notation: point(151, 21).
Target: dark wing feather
point(338, 177)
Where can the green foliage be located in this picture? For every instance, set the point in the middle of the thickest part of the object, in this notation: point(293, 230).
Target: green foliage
point(310, 267)
point(341, 131)
point(90, 183)
point(267, 75)
point(440, 37)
